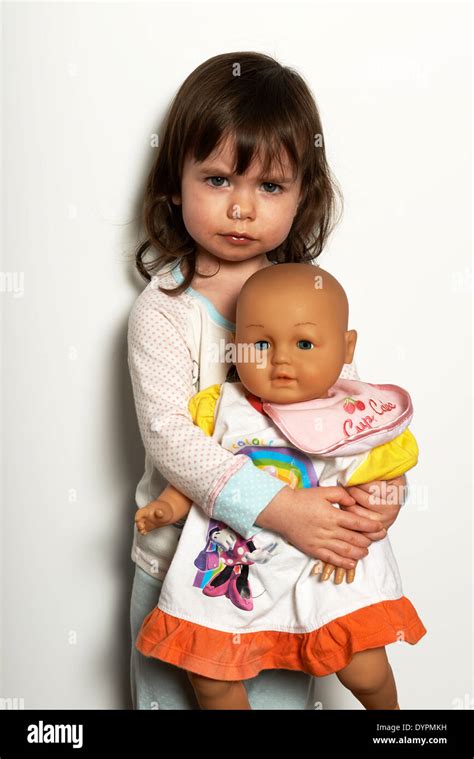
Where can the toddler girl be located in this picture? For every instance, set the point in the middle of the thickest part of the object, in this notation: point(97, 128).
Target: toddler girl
point(242, 152)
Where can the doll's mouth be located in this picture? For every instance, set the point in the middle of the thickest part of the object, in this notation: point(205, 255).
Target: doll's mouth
point(282, 375)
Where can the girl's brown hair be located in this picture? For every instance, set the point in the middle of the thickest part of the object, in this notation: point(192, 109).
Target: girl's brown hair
point(265, 107)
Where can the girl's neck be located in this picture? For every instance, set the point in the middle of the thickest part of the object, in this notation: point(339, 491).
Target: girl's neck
point(225, 284)
point(211, 269)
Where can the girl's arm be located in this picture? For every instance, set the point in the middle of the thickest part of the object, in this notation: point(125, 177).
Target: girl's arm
point(227, 487)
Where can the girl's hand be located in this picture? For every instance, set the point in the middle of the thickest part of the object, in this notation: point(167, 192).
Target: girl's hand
point(307, 519)
point(383, 498)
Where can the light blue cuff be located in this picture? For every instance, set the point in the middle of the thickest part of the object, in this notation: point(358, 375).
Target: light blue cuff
point(244, 496)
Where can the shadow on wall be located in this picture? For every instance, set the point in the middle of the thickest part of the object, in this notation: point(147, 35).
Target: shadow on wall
point(130, 452)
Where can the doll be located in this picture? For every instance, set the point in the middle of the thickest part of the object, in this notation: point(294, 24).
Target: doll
point(233, 605)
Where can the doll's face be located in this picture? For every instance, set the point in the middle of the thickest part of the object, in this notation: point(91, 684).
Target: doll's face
point(216, 202)
point(291, 340)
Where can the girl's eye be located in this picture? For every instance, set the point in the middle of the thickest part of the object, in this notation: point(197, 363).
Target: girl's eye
point(218, 178)
point(259, 342)
point(307, 344)
point(272, 184)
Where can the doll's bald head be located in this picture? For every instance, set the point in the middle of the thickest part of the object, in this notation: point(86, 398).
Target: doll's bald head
point(295, 316)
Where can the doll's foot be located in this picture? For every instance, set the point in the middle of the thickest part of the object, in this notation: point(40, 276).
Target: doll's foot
point(157, 514)
point(339, 573)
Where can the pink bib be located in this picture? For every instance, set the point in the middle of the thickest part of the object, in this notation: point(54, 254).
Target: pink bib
point(356, 417)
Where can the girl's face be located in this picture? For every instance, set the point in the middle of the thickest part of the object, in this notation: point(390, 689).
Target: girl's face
point(216, 203)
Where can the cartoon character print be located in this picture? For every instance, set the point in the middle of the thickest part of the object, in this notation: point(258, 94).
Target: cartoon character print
point(224, 564)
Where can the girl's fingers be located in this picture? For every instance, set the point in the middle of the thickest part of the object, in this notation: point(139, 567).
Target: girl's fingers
point(331, 557)
point(376, 536)
point(359, 539)
point(362, 512)
point(350, 552)
point(368, 499)
point(338, 495)
point(385, 519)
point(358, 523)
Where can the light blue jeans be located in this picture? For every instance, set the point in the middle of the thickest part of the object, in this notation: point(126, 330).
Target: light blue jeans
point(158, 685)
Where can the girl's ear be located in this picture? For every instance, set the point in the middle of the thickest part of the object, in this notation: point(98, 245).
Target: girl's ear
point(351, 340)
point(176, 199)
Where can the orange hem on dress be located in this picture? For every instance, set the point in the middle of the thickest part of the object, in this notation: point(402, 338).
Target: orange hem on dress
point(240, 656)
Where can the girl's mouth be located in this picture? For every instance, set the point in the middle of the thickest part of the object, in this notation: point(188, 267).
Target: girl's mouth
point(236, 240)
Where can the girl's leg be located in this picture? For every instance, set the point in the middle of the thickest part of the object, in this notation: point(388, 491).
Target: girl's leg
point(219, 694)
point(281, 689)
point(154, 684)
point(370, 678)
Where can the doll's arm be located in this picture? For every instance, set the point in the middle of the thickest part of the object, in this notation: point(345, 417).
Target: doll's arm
point(384, 462)
point(169, 507)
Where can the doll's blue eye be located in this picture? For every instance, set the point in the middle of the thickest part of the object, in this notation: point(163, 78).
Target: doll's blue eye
point(259, 343)
point(307, 344)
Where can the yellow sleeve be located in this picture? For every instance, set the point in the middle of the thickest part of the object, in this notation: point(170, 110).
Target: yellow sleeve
point(387, 461)
point(202, 407)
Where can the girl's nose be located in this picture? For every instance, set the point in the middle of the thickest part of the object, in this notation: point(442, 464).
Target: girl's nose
point(241, 206)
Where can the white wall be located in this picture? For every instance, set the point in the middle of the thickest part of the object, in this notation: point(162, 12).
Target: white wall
point(85, 85)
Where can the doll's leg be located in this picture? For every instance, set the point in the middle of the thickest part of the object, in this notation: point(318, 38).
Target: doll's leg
point(219, 694)
point(370, 678)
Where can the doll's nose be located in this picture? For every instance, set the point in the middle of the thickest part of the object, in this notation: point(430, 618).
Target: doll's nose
point(280, 356)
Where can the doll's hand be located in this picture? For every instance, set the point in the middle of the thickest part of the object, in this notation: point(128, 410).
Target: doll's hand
point(158, 513)
point(327, 569)
point(382, 498)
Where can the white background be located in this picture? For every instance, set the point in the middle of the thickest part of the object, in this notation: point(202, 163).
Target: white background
point(84, 87)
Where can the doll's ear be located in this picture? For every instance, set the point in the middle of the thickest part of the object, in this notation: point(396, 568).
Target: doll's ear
point(351, 340)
